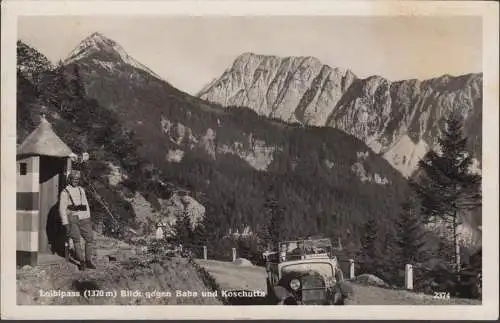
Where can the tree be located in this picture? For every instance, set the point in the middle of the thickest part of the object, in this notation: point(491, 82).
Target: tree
point(53, 87)
point(183, 231)
point(275, 221)
point(199, 237)
point(75, 83)
point(275, 228)
point(445, 183)
point(411, 235)
point(213, 227)
point(371, 250)
point(378, 247)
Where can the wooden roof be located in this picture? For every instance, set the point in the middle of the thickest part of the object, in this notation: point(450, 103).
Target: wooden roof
point(44, 141)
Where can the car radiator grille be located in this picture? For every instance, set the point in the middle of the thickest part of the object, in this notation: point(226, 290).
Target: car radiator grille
point(313, 289)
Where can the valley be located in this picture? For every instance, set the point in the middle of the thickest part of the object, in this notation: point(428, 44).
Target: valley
point(275, 149)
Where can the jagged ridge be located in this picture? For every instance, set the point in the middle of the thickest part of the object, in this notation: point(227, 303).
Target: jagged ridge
point(375, 110)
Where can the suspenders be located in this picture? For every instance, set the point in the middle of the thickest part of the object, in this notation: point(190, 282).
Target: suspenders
point(73, 206)
point(71, 198)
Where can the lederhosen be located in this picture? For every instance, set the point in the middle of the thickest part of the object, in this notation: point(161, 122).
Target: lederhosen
point(75, 231)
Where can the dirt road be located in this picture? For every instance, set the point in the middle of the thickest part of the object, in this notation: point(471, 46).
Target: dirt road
point(233, 277)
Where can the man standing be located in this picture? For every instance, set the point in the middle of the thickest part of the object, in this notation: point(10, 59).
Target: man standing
point(75, 216)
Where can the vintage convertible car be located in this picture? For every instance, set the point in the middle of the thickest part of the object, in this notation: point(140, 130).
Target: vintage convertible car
point(305, 272)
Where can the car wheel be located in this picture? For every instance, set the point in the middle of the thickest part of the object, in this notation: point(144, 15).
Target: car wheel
point(337, 297)
point(270, 297)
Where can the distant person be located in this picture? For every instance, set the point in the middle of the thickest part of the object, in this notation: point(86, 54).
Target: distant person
point(283, 251)
point(75, 217)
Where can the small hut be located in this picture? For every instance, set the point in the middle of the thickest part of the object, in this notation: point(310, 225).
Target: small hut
point(42, 165)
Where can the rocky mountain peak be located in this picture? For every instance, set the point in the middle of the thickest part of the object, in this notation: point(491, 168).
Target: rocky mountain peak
point(95, 42)
point(104, 49)
point(262, 62)
point(246, 56)
point(376, 110)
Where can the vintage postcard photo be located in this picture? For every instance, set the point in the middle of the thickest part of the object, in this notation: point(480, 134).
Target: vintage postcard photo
point(267, 154)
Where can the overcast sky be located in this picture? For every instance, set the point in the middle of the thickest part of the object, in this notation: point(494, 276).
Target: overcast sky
point(190, 51)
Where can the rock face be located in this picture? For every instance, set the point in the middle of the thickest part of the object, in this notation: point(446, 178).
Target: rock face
point(292, 89)
point(161, 222)
point(116, 174)
point(30, 62)
point(397, 119)
point(179, 206)
point(255, 152)
point(144, 214)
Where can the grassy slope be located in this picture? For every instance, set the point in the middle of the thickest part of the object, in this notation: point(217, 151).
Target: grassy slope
point(130, 271)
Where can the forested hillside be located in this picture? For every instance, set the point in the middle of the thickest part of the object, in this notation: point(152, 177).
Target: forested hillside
point(85, 127)
point(326, 181)
point(260, 178)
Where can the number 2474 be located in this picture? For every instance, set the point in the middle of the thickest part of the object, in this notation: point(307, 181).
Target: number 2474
point(441, 295)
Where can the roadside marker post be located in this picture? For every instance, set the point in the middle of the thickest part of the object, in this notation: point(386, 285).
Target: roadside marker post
point(409, 276)
point(351, 269)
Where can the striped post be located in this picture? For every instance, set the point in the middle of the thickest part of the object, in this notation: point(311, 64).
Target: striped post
point(205, 252)
point(409, 276)
point(27, 210)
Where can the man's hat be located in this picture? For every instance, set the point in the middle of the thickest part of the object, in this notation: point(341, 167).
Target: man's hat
point(74, 173)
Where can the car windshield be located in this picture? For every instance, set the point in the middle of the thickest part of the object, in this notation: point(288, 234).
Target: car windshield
point(317, 246)
point(304, 249)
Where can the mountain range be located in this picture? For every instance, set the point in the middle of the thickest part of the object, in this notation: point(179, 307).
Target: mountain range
point(399, 120)
point(232, 157)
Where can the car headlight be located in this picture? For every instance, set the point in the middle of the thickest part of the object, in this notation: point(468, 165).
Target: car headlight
point(330, 281)
point(294, 284)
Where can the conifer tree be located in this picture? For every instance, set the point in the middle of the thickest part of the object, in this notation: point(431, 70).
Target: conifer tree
point(445, 183)
point(371, 252)
point(183, 229)
point(274, 231)
point(51, 86)
point(75, 83)
point(411, 236)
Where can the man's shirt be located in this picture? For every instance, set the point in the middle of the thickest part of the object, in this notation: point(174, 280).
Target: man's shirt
point(79, 198)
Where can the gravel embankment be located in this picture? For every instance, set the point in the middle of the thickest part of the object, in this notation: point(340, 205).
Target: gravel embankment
point(126, 271)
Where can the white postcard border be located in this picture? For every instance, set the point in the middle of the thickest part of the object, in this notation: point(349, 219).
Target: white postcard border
point(488, 10)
